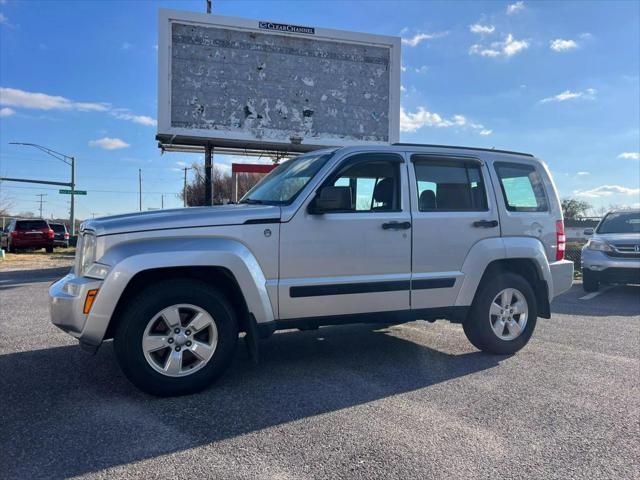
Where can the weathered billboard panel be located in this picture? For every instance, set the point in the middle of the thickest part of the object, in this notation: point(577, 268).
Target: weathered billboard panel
point(234, 82)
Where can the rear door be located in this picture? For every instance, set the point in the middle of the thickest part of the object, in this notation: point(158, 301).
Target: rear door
point(451, 212)
point(528, 204)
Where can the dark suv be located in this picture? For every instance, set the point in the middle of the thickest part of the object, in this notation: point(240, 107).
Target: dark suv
point(61, 235)
point(27, 234)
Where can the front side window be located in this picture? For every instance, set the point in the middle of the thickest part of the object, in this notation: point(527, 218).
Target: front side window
point(283, 184)
point(522, 187)
point(374, 185)
point(620, 222)
point(449, 185)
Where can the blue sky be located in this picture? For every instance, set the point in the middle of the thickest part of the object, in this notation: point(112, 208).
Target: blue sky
point(558, 79)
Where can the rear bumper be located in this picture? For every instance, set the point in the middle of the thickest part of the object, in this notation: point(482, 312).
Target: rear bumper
point(562, 277)
point(66, 302)
point(17, 243)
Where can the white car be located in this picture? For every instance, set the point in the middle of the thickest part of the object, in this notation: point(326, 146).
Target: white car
point(357, 234)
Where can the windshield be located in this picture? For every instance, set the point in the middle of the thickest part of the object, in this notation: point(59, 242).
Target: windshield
point(620, 222)
point(283, 184)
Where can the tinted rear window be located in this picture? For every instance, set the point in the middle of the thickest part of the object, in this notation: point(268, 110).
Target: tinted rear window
point(31, 224)
point(57, 227)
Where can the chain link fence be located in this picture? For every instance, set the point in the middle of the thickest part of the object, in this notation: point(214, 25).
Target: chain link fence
point(573, 252)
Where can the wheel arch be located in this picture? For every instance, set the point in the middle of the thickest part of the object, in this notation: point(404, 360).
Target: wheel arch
point(217, 277)
point(524, 256)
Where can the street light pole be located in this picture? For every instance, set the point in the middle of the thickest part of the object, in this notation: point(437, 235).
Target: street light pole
point(69, 160)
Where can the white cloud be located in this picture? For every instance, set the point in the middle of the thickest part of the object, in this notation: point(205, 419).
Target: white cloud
point(588, 94)
point(126, 46)
point(413, 121)
point(403, 68)
point(6, 112)
point(108, 143)
point(482, 29)
point(422, 69)
point(515, 8)
point(122, 114)
point(607, 191)
point(486, 131)
point(4, 20)
point(630, 155)
point(402, 88)
point(14, 97)
point(506, 48)
point(560, 45)
point(584, 173)
point(420, 37)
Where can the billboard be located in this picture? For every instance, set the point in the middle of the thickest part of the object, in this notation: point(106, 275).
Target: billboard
point(240, 83)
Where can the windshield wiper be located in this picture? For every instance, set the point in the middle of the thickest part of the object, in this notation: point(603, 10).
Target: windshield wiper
point(251, 201)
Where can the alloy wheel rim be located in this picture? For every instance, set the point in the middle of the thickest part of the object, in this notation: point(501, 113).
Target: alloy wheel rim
point(180, 340)
point(508, 314)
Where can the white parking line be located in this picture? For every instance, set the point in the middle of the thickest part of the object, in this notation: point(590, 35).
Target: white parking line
point(591, 295)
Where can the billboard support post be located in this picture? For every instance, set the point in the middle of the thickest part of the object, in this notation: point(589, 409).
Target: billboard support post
point(208, 175)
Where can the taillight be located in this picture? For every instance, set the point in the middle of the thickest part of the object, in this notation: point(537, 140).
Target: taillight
point(561, 240)
point(66, 235)
point(14, 234)
point(50, 234)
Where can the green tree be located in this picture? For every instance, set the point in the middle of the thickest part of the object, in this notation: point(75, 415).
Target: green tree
point(573, 208)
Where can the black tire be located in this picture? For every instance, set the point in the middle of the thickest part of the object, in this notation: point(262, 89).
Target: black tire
point(590, 282)
point(49, 249)
point(142, 308)
point(477, 325)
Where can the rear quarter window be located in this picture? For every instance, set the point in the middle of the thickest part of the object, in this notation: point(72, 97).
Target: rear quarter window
point(522, 187)
point(31, 224)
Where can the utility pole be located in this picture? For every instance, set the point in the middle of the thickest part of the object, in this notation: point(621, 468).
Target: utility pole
point(208, 6)
point(41, 201)
point(93, 215)
point(140, 189)
point(162, 201)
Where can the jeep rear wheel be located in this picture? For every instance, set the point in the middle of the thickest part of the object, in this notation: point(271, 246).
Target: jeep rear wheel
point(503, 315)
point(176, 337)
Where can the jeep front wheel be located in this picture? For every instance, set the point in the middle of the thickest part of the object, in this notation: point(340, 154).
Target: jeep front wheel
point(503, 315)
point(176, 337)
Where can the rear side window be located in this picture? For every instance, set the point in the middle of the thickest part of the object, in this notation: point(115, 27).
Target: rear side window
point(522, 187)
point(449, 185)
point(31, 224)
point(58, 227)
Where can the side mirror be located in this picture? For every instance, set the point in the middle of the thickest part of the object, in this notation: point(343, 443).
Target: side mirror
point(332, 199)
point(588, 232)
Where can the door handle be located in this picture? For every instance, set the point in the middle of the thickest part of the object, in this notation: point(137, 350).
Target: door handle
point(485, 223)
point(396, 225)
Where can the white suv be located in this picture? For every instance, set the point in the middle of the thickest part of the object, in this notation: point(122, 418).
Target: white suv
point(357, 234)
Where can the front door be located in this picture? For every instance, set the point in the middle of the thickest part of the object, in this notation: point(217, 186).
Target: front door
point(353, 261)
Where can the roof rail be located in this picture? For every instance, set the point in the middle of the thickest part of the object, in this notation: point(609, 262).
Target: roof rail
point(461, 148)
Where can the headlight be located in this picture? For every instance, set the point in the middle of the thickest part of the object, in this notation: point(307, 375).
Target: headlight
point(599, 245)
point(97, 270)
point(87, 252)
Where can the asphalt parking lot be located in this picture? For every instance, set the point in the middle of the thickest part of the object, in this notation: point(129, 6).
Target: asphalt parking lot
point(410, 401)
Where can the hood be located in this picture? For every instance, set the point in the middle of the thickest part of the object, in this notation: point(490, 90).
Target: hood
point(619, 238)
point(234, 214)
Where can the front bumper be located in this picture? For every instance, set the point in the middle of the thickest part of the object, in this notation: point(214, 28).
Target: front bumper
point(611, 270)
point(66, 302)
